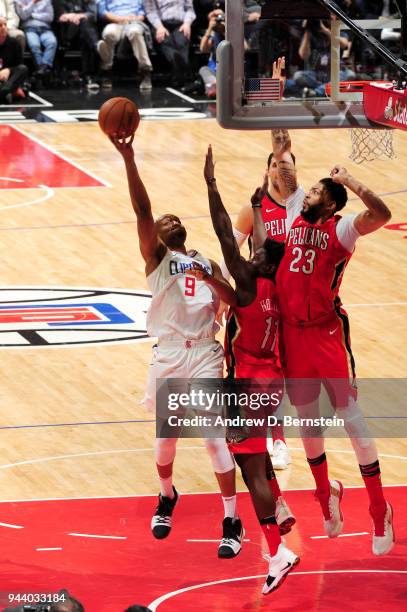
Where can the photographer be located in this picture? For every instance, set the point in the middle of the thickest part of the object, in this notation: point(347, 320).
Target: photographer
point(314, 50)
point(214, 34)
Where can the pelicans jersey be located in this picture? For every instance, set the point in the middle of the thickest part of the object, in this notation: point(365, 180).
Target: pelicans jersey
point(274, 217)
point(251, 335)
point(315, 339)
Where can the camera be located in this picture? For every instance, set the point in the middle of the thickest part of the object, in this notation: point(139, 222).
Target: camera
point(30, 608)
point(220, 18)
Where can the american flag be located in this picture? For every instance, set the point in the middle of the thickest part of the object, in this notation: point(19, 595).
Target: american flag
point(263, 89)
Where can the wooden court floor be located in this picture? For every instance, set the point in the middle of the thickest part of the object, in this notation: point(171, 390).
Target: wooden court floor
point(86, 237)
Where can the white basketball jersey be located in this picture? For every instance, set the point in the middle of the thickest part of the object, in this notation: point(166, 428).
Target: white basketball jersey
point(181, 306)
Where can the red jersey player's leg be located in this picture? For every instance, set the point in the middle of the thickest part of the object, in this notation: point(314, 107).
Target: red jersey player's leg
point(303, 381)
point(263, 379)
point(337, 366)
point(282, 560)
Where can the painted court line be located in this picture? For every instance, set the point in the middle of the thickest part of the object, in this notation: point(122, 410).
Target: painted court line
point(245, 540)
point(61, 156)
point(154, 604)
point(137, 495)
point(150, 449)
point(11, 526)
point(46, 196)
point(48, 549)
point(102, 537)
point(342, 535)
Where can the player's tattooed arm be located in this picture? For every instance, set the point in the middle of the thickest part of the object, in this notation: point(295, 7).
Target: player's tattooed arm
point(287, 174)
point(259, 230)
point(377, 213)
point(151, 248)
point(222, 225)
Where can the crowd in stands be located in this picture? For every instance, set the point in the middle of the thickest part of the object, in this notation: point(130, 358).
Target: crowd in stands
point(36, 37)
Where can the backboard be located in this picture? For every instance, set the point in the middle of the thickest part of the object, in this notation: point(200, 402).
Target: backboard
point(377, 52)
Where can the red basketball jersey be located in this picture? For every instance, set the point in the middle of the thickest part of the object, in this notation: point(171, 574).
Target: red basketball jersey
point(311, 271)
point(274, 217)
point(251, 331)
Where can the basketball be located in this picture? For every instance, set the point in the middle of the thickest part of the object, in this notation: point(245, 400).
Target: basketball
point(119, 117)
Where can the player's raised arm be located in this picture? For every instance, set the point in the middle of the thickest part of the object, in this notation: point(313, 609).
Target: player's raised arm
point(150, 246)
point(377, 213)
point(259, 230)
point(287, 174)
point(222, 224)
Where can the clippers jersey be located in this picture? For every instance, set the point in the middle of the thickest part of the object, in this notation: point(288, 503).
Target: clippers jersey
point(181, 306)
point(251, 331)
point(310, 273)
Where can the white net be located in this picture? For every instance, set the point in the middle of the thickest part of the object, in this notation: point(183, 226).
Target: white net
point(369, 144)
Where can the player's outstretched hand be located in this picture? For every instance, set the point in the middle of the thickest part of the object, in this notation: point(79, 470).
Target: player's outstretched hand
point(278, 68)
point(339, 174)
point(199, 271)
point(222, 313)
point(260, 192)
point(209, 169)
point(123, 145)
point(281, 141)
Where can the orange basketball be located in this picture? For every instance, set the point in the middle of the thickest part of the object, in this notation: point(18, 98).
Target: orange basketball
point(119, 117)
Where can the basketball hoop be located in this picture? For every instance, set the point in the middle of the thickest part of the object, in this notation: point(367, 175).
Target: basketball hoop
point(370, 144)
point(383, 104)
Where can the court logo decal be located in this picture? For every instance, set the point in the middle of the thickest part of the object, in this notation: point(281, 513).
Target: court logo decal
point(62, 316)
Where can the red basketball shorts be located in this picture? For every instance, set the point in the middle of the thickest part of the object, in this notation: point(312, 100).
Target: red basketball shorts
point(272, 376)
point(318, 354)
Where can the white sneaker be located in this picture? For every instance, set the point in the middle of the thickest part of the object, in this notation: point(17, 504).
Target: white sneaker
point(281, 455)
point(284, 517)
point(279, 567)
point(334, 525)
point(381, 545)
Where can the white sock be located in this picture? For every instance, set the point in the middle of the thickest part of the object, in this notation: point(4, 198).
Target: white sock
point(229, 504)
point(166, 489)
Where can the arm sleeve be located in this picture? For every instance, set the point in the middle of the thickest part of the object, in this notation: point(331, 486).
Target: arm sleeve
point(240, 238)
point(24, 10)
point(189, 16)
point(293, 206)
point(347, 233)
point(152, 13)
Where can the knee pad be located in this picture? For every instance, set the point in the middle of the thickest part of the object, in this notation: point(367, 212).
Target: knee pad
point(222, 460)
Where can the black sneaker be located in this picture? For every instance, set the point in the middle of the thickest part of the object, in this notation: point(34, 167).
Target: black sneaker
point(161, 521)
point(231, 542)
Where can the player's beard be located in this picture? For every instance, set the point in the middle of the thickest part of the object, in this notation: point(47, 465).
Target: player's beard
point(177, 238)
point(313, 214)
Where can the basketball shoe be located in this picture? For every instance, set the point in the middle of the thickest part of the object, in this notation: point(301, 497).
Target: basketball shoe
point(383, 532)
point(162, 520)
point(284, 517)
point(280, 565)
point(281, 455)
point(332, 507)
point(231, 542)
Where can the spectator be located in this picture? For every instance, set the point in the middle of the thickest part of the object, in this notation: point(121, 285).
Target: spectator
point(172, 22)
point(315, 52)
point(137, 609)
point(36, 19)
point(214, 34)
point(7, 10)
point(125, 20)
point(77, 21)
point(12, 70)
point(69, 605)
